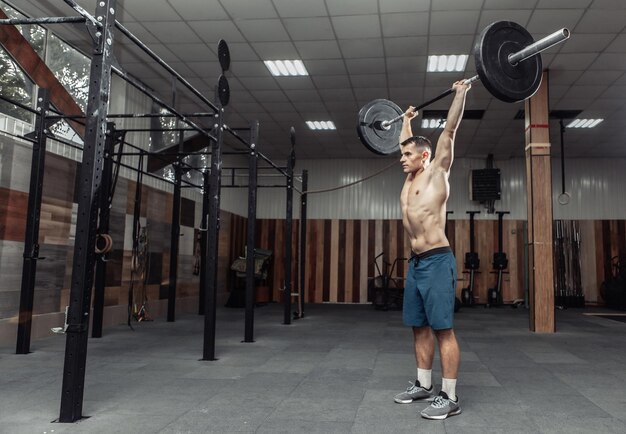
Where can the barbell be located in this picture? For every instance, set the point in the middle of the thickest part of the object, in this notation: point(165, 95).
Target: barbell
point(507, 62)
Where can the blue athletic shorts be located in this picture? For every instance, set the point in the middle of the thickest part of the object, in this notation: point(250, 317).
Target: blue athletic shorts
point(430, 289)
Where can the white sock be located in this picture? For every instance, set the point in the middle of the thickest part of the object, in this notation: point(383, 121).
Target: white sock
point(424, 377)
point(448, 385)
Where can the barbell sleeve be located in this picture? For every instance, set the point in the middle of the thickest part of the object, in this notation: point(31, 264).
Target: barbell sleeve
point(539, 46)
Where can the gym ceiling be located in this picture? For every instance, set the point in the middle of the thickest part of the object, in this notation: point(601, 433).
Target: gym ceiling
point(359, 50)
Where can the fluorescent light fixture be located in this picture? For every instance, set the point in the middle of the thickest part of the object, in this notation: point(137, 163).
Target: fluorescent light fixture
point(433, 123)
point(321, 125)
point(286, 67)
point(447, 63)
point(584, 123)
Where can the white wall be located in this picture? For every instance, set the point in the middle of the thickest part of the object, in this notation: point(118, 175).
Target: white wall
point(596, 186)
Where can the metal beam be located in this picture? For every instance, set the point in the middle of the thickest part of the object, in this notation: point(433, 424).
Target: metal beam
point(203, 242)
point(103, 228)
point(288, 238)
point(31, 238)
point(43, 20)
point(303, 224)
point(84, 245)
point(174, 241)
point(250, 234)
point(213, 240)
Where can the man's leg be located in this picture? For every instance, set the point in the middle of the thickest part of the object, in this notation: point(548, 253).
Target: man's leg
point(446, 403)
point(450, 353)
point(424, 354)
point(450, 360)
point(424, 344)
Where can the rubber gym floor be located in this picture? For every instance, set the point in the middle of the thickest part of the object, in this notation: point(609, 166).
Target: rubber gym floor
point(335, 371)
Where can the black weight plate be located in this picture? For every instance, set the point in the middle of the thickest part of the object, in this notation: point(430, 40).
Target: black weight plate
point(376, 138)
point(506, 82)
point(223, 53)
point(223, 90)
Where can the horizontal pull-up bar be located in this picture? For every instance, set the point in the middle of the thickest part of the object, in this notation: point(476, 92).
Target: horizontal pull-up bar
point(158, 130)
point(258, 186)
point(43, 20)
point(245, 168)
point(163, 154)
point(158, 115)
point(20, 105)
point(83, 13)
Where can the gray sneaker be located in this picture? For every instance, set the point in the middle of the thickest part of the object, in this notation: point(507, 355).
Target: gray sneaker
point(441, 407)
point(412, 393)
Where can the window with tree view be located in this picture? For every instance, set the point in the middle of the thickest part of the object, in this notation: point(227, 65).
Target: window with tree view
point(14, 84)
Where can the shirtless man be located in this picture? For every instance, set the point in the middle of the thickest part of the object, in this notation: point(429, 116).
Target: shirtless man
point(429, 292)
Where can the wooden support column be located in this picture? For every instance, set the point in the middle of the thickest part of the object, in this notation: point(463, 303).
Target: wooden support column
point(539, 193)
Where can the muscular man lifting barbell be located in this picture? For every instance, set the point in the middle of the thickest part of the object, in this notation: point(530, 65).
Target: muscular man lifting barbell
point(509, 66)
point(430, 287)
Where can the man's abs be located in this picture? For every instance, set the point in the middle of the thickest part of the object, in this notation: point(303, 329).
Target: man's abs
point(423, 216)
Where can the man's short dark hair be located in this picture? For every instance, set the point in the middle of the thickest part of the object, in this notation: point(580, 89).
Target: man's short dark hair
point(420, 142)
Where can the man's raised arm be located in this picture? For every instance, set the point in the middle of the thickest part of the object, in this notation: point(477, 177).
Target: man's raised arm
point(444, 153)
point(406, 131)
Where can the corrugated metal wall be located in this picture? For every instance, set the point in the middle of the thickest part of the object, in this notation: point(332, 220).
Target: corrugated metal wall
point(596, 187)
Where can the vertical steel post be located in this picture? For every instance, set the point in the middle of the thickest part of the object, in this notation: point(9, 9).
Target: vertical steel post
point(213, 227)
point(203, 241)
point(88, 190)
point(174, 240)
point(288, 237)
point(103, 228)
point(303, 223)
point(250, 234)
point(31, 238)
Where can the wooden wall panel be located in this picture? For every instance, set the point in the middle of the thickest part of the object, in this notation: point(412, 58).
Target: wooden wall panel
point(13, 209)
point(621, 239)
point(295, 256)
point(601, 260)
point(319, 259)
point(340, 253)
point(513, 246)
point(334, 265)
point(55, 221)
point(311, 262)
point(588, 260)
point(351, 252)
point(59, 176)
point(278, 282)
point(462, 245)
point(364, 263)
point(223, 255)
point(340, 256)
point(401, 250)
point(348, 248)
